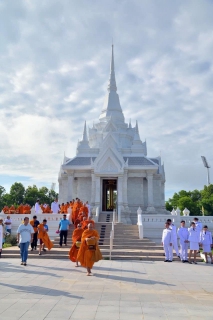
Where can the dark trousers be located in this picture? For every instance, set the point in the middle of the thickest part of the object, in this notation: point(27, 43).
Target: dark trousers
point(35, 239)
point(63, 234)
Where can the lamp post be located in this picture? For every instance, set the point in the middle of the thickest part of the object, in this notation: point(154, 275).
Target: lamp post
point(207, 166)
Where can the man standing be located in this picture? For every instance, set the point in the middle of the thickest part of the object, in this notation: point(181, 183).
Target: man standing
point(37, 207)
point(183, 234)
point(198, 224)
point(167, 242)
point(8, 223)
point(55, 207)
point(174, 237)
point(63, 228)
point(34, 223)
point(24, 237)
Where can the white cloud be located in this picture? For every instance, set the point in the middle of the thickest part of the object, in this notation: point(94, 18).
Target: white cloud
point(54, 62)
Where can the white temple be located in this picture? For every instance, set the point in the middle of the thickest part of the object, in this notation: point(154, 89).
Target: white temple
point(111, 168)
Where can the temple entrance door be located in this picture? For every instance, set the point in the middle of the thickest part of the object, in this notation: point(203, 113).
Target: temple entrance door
point(109, 194)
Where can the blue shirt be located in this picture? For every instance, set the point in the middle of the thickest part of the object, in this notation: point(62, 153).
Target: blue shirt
point(64, 224)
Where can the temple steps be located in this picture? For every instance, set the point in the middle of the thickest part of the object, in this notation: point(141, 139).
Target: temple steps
point(126, 245)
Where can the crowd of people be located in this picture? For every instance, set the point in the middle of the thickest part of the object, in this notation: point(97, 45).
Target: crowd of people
point(85, 238)
point(194, 238)
point(75, 206)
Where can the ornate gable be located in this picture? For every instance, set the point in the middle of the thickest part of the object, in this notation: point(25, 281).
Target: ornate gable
point(109, 161)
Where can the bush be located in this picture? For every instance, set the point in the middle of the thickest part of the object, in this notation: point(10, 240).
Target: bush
point(11, 240)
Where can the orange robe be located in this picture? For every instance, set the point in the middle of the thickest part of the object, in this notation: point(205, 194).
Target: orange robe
point(43, 235)
point(86, 222)
point(21, 209)
point(84, 210)
point(85, 256)
point(12, 210)
point(75, 211)
point(76, 236)
point(32, 224)
point(47, 209)
point(6, 209)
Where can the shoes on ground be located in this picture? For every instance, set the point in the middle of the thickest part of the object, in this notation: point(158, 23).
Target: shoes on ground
point(169, 260)
point(165, 260)
point(44, 249)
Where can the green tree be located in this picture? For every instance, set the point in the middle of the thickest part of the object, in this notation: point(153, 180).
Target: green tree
point(17, 192)
point(207, 200)
point(2, 193)
point(31, 195)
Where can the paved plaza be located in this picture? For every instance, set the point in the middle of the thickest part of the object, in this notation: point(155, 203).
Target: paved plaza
point(55, 289)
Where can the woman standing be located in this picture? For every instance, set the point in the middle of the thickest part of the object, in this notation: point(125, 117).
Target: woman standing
point(194, 238)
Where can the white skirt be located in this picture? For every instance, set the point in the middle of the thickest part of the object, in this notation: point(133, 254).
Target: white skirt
point(206, 248)
point(194, 245)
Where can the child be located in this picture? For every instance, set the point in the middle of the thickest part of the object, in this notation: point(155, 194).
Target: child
point(206, 243)
point(167, 243)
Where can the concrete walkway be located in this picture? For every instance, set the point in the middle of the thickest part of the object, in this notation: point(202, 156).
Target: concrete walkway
point(55, 289)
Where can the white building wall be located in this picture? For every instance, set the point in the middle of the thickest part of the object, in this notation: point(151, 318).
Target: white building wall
point(157, 192)
point(134, 193)
point(84, 188)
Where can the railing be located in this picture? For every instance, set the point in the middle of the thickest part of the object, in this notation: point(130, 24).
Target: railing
point(112, 233)
point(140, 223)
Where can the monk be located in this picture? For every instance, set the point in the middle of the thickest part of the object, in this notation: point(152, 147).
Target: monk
point(76, 207)
point(76, 236)
point(12, 210)
point(85, 223)
point(84, 210)
point(6, 209)
point(47, 209)
point(89, 253)
point(62, 208)
point(21, 209)
point(43, 236)
point(26, 209)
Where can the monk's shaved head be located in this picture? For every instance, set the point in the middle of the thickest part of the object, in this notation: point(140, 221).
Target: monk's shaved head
point(90, 226)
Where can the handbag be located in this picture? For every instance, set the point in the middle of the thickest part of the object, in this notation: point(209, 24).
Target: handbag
point(78, 244)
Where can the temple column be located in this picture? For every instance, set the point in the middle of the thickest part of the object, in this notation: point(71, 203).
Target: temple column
point(142, 194)
point(70, 187)
point(150, 192)
point(120, 196)
point(97, 191)
point(93, 190)
point(125, 177)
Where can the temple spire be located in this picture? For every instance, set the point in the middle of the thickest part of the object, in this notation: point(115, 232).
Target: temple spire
point(112, 83)
point(136, 127)
point(85, 137)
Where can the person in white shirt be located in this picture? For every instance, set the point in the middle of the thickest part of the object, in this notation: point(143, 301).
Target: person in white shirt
point(206, 243)
point(183, 235)
point(174, 237)
point(24, 237)
point(37, 206)
point(167, 243)
point(198, 224)
point(194, 239)
point(55, 206)
point(8, 223)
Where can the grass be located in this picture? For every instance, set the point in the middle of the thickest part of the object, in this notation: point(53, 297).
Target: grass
point(7, 245)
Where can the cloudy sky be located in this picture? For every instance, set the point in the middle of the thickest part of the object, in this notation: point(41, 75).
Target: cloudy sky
point(54, 68)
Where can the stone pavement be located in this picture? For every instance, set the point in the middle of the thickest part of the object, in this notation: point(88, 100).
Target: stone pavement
point(55, 289)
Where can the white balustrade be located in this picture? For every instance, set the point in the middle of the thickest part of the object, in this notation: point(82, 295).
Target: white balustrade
point(140, 223)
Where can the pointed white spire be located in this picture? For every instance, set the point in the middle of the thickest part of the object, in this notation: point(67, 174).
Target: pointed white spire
point(112, 83)
point(136, 127)
point(85, 137)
